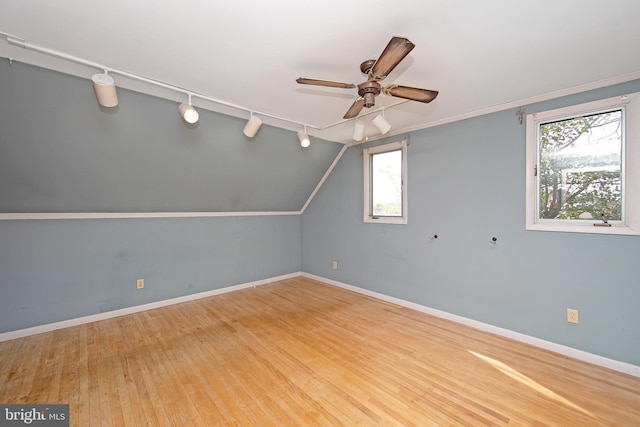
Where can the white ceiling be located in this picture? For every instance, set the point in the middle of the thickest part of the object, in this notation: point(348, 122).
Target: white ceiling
point(481, 55)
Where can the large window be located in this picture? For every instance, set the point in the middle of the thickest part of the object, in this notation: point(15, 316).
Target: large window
point(582, 168)
point(385, 183)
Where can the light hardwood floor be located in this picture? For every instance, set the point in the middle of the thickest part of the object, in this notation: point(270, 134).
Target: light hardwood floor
point(302, 353)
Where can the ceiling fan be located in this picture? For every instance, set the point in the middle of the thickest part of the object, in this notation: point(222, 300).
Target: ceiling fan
point(376, 70)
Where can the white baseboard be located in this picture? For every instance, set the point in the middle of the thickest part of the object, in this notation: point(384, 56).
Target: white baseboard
point(584, 356)
point(6, 336)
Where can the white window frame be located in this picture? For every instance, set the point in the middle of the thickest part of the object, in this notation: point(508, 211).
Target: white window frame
point(630, 225)
point(368, 191)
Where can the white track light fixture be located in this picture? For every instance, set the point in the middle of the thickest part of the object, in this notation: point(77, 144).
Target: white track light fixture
point(381, 123)
point(252, 126)
point(188, 113)
point(303, 137)
point(358, 131)
point(105, 89)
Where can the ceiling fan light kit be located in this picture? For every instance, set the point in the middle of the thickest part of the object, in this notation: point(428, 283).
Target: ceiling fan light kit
point(376, 70)
point(381, 123)
point(358, 130)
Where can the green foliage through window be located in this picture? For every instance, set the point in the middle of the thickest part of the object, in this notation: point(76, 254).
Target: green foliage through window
point(580, 167)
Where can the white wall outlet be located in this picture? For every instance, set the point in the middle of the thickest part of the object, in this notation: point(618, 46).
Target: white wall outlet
point(572, 315)
point(335, 265)
point(140, 283)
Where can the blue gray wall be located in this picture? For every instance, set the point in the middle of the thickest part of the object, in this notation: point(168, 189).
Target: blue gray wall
point(59, 152)
point(466, 184)
point(54, 270)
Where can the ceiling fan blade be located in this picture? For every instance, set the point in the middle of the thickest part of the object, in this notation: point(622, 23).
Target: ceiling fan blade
point(329, 83)
point(396, 50)
point(411, 93)
point(355, 108)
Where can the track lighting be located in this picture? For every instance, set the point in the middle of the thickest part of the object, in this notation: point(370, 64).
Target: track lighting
point(358, 131)
point(303, 137)
point(381, 123)
point(188, 113)
point(105, 89)
point(106, 95)
point(252, 126)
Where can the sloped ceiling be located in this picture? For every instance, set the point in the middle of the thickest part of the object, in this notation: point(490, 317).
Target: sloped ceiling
point(480, 55)
point(61, 153)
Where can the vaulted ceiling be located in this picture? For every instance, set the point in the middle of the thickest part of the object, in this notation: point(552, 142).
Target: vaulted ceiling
point(481, 56)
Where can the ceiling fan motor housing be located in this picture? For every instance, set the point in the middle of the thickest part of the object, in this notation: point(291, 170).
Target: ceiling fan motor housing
point(369, 90)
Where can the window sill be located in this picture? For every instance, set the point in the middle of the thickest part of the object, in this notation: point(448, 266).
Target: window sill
point(615, 229)
point(385, 220)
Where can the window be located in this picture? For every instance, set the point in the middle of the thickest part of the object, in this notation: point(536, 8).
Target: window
point(385, 183)
point(583, 168)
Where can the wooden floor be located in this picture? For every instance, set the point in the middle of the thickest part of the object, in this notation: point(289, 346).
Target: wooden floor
point(302, 353)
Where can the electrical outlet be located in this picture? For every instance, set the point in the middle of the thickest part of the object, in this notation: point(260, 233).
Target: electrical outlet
point(572, 315)
point(335, 265)
point(140, 283)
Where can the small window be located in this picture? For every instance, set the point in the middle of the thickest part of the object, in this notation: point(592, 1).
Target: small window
point(385, 188)
point(582, 164)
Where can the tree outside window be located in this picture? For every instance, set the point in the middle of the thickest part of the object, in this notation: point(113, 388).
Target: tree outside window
point(583, 167)
point(580, 168)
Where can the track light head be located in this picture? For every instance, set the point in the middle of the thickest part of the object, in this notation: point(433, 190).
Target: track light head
point(304, 139)
point(381, 123)
point(105, 90)
point(358, 131)
point(188, 113)
point(252, 126)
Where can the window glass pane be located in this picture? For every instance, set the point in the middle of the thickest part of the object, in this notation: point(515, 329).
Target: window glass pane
point(386, 183)
point(580, 168)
